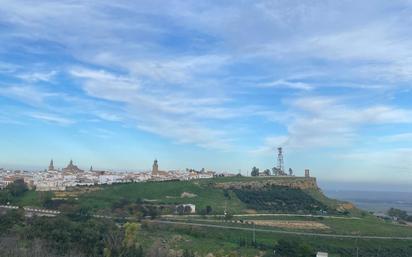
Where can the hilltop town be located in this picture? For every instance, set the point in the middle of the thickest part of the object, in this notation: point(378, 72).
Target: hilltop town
point(55, 179)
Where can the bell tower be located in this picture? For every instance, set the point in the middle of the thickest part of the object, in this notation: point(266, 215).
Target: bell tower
point(51, 165)
point(155, 169)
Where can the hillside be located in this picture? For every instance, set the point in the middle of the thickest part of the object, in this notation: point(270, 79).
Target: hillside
point(269, 207)
point(235, 194)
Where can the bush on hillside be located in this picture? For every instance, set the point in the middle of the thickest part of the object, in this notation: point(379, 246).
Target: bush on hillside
point(279, 199)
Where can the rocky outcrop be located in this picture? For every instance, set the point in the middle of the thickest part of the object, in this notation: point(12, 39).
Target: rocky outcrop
point(261, 183)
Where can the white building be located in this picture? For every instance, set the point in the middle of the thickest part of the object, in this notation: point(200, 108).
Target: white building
point(322, 254)
point(192, 207)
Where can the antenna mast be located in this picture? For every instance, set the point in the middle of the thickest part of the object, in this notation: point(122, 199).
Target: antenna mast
point(280, 161)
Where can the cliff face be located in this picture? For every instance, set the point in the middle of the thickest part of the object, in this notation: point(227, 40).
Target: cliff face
point(261, 183)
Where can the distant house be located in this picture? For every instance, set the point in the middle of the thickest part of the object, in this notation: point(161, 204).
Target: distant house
point(322, 254)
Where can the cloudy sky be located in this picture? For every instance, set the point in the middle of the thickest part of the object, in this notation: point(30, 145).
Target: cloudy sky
point(214, 84)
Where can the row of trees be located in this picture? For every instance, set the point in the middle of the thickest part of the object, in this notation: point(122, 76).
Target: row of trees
point(400, 214)
point(255, 172)
point(267, 172)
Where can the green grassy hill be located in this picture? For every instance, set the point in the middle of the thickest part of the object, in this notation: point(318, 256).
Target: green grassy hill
point(242, 196)
point(237, 194)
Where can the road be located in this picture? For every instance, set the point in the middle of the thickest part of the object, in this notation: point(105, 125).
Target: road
point(54, 213)
point(268, 215)
point(281, 231)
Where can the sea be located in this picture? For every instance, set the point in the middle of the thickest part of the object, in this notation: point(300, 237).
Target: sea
point(374, 201)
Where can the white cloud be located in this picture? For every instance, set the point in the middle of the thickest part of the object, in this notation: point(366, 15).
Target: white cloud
point(318, 122)
point(38, 76)
point(8, 67)
point(170, 115)
point(288, 84)
point(270, 144)
point(98, 132)
point(27, 94)
point(168, 74)
point(51, 118)
point(178, 70)
point(390, 159)
point(108, 86)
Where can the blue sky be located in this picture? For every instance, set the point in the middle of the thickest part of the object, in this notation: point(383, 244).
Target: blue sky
point(209, 84)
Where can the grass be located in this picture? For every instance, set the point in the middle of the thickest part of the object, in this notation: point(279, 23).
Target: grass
point(201, 245)
point(167, 192)
point(228, 240)
point(216, 240)
point(366, 226)
point(30, 198)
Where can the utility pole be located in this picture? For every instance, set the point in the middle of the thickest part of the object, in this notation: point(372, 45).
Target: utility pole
point(225, 208)
point(254, 233)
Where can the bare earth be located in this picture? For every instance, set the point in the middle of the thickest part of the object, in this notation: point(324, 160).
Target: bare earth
point(293, 224)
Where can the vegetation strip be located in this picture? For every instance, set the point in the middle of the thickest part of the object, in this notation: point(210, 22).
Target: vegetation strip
point(280, 231)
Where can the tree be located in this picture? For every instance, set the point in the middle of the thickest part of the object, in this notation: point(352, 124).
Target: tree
point(132, 252)
point(158, 250)
point(226, 194)
point(11, 218)
point(188, 253)
point(17, 188)
point(287, 248)
point(180, 209)
point(202, 212)
point(153, 212)
point(188, 209)
point(255, 172)
point(275, 171)
point(228, 216)
point(5, 197)
point(267, 172)
point(393, 212)
point(113, 241)
point(208, 209)
point(305, 250)
point(130, 234)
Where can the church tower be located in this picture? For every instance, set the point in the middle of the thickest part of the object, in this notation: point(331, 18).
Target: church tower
point(51, 166)
point(155, 170)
